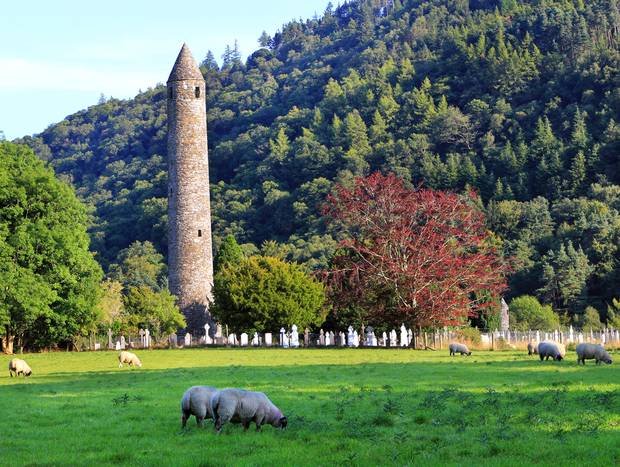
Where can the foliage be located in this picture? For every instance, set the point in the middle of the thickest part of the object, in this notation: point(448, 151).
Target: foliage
point(518, 100)
point(492, 408)
point(413, 256)
point(155, 310)
point(50, 281)
point(139, 265)
point(111, 305)
point(229, 252)
point(590, 319)
point(527, 313)
point(263, 294)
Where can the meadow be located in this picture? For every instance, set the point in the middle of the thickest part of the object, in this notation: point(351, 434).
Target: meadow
point(344, 406)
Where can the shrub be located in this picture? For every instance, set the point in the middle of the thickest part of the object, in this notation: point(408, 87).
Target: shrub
point(526, 312)
point(469, 334)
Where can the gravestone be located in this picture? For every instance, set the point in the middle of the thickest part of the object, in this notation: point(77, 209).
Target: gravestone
point(123, 343)
point(356, 339)
point(147, 338)
point(332, 338)
point(384, 339)
point(373, 339)
point(232, 339)
point(141, 333)
point(97, 346)
point(393, 338)
point(110, 343)
point(172, 340)
point(328, 340)
point(268, 339)
point(188, 340)
point(409, 337)
point(244, 339)
point(369, 334)
point(321, 338)
point(118, 345)
point(306, 337)
point(294, 337)
point(255, 340)
point(218, 330)
point(208, 339)
point(403, 336)
point(350, 336)
point(343, 339)
point(282, 337)
point(504, 316)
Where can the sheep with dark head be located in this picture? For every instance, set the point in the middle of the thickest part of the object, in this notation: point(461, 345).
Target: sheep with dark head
point(455, 348)
point(239, 406)
point(587, 351)
point(19, 366)
point(551, 349)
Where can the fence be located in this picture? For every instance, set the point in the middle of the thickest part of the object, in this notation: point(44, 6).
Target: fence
point(403, 338)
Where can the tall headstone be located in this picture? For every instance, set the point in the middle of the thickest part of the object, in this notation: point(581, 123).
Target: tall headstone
point(403, 336)
point(294, 337)
point(208, 339)
point(504, 316)
point(268, 339)
point(190, 256)
point(110, 343)
point(244, 339)
point(188, 340)
point(350, 337)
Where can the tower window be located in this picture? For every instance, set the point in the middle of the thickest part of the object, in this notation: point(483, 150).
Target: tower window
point(197, 91)
point(200, 233)
point(170, 93)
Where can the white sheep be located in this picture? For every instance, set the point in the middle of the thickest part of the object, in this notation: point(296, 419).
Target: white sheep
point(551, 349)
point(592, 351)
point(17, 366)
point(532, 349)
point(129, 358)
point(455, 348)
point(239, 406)
point(197, 401)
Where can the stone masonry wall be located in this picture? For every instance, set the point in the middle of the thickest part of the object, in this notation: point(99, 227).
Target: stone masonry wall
point(190, 256)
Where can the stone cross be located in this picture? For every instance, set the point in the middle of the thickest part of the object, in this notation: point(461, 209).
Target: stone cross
point(208, 339)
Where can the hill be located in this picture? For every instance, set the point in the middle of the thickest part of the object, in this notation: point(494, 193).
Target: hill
point(518, 99)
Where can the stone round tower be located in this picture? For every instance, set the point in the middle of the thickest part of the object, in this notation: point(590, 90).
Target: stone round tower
point(190, 256)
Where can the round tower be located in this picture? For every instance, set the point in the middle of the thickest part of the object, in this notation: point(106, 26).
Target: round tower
point(190, 256)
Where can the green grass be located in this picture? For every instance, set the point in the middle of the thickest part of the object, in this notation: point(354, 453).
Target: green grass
point(355, 407)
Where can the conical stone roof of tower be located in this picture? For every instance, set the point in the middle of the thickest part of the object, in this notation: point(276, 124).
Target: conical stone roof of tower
point(185, 67)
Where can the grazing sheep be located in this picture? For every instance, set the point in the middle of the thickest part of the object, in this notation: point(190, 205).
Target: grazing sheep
point(129, 358)
point(17, 366)
point(551, 349)
point(239, 406)
point(532, 349)
point(592, 351)
point(455, 348)
point(197, 401)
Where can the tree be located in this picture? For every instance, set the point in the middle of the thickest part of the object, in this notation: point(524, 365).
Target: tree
point(263, 294)
point(229, 252)
point(155, 310)
point(590, 319)
point(111, 304)
point(415, 256)
point(49, 280)
point(264, 40)
point(527, 313)
point(139, 264)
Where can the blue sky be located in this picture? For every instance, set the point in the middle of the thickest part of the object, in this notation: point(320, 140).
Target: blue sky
point(57, 57)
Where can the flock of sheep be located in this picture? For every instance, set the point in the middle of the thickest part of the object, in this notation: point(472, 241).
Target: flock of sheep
point(554, 350)
point(245, 407)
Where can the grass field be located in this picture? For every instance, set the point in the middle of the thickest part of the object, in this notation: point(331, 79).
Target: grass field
point(354, 407)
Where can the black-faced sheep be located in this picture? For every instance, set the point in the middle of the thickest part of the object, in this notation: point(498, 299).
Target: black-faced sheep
point(19, 366)
point(455, 348)
point(239, 406)
point(587, 351)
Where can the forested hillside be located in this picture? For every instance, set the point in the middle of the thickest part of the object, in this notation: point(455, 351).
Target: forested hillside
point(519, 99)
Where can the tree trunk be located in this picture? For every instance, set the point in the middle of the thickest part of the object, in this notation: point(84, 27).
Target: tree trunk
point(7, 343)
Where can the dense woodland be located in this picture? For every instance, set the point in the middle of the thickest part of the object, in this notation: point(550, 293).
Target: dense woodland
point(519, 100)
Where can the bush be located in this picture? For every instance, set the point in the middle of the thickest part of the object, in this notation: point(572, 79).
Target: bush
point(263, 294)
point(526, 312)
point(469, 334)
point(590, 319)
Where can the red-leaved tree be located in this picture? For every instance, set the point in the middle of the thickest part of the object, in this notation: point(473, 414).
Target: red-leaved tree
point(422, 257)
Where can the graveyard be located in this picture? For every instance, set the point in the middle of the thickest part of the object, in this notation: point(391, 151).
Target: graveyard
point(354, 406)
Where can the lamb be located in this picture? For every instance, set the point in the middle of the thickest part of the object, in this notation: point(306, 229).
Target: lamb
point(551, 349)
point(239, 406)
point(592, 351)
point(532, 349)
point(17, 366)
point(129, 358)
point(455, 348)
point(197, 401)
